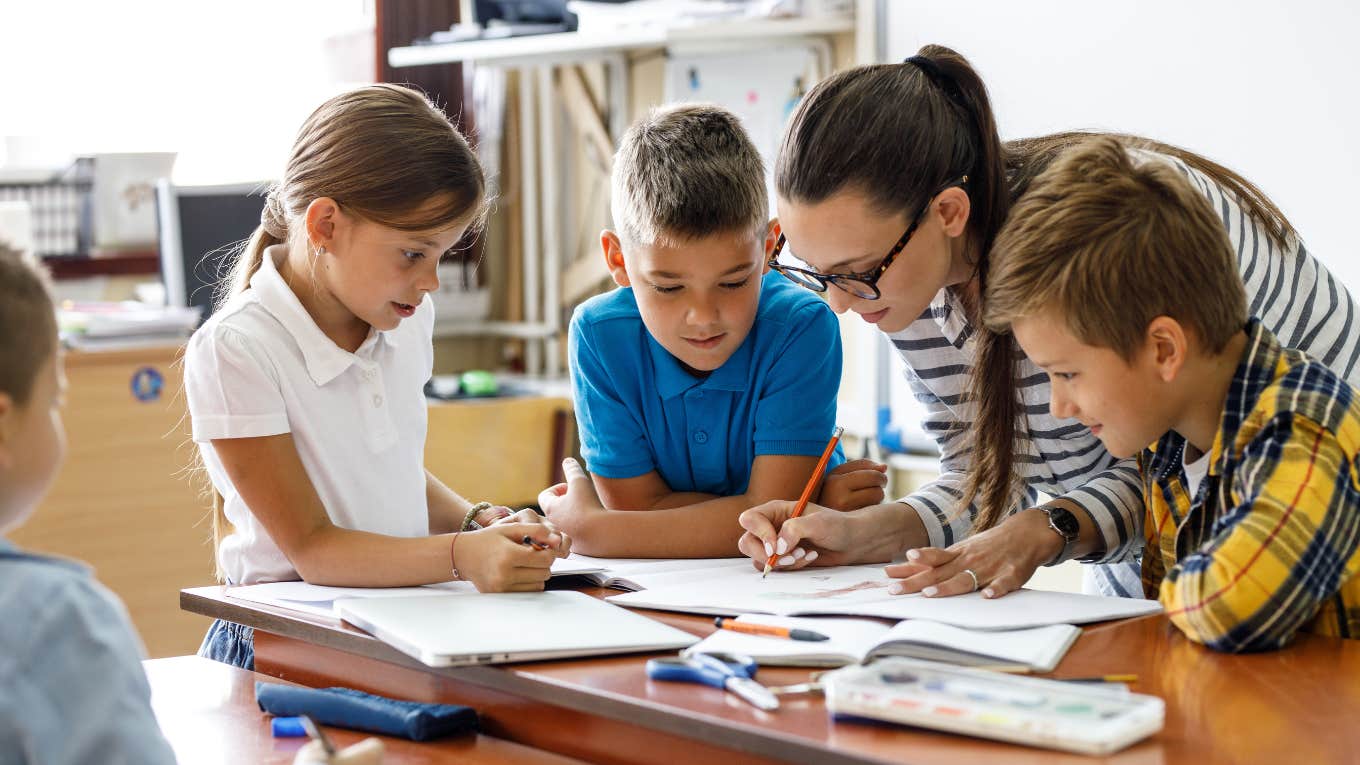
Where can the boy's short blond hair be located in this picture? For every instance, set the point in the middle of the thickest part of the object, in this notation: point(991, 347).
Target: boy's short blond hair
point(28, 324)
point(687, 172)
point(1112, 238)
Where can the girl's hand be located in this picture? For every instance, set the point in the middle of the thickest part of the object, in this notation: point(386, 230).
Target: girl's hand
point(854, 484)
point(1002, 558)
point(573, 504)
point(493, 514)
point(497, 559)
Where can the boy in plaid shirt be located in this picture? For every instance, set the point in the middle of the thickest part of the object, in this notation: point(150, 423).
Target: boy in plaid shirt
point(1117, 279)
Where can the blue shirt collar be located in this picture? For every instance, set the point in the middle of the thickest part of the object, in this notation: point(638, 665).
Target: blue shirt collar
point(672, 379)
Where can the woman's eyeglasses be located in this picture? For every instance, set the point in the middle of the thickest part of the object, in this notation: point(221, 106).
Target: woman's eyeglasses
point(862, 285)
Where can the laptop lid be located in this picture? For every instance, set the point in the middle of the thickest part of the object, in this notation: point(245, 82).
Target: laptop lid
point(462, 629)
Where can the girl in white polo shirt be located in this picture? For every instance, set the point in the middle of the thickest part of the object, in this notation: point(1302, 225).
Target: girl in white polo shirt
point(305, 388)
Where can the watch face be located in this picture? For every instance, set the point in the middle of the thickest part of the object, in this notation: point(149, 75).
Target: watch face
point(1065, 522)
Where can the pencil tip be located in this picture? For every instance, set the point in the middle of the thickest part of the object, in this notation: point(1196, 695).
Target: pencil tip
point(766, 572)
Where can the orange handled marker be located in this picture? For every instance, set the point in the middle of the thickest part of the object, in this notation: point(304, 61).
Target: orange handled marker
point(766, 630)
point(807, 490)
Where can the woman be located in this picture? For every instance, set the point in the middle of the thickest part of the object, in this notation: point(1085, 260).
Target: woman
point(892, 184)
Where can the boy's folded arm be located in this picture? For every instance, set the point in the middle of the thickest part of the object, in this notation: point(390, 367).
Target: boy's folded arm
point(644, 492)
point(703, 529)
point(270, 477)
point(1255, 583)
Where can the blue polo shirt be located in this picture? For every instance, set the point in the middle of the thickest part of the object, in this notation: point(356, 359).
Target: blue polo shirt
point(640, 410)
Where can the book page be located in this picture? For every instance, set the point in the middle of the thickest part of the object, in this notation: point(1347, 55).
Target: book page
point(863, 591)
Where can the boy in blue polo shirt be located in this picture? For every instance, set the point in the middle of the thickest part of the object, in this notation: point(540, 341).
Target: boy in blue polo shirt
point(705, 384)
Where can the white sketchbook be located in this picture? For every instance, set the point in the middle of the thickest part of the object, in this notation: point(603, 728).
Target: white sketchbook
point(644, 573)
point(320, 600)
point(855, 641)
point(461, 629)
point(863, 591)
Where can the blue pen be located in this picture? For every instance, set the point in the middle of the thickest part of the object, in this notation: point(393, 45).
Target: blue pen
point(731, 673)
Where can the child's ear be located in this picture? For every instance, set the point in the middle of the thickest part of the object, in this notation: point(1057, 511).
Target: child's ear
point(1167, 346)
point(613, 257)
point(322, 216)
point(771, 239)
point(953, 207)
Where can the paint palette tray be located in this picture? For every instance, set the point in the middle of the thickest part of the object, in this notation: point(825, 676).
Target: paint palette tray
point(1022, 710)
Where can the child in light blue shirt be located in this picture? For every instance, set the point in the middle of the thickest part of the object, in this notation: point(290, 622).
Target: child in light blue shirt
point(70, 663)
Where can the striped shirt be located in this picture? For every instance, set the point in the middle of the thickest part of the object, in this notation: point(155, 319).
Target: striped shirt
point(1289, 290)
point(1270, 543)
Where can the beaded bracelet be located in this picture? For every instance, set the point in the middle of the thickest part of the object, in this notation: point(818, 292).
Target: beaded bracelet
point(468, 522)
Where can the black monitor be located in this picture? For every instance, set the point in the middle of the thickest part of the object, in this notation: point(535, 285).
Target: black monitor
point(201, 228)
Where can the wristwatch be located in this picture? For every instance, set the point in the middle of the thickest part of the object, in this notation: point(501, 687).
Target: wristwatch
point(1065, 525)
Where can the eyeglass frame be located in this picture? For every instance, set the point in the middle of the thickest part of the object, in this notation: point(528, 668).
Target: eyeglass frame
point(867, 278)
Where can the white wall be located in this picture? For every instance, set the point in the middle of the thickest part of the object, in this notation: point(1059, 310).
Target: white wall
point(1268, 88)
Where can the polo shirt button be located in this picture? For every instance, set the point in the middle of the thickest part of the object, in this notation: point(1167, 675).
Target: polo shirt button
point(377, 401)
point(700, 437)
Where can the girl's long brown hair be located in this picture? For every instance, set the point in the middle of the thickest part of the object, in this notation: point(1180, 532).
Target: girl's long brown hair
point(896, 133)
point(382, 152)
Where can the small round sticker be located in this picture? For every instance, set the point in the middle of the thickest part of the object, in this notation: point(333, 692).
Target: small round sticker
point(147, 384)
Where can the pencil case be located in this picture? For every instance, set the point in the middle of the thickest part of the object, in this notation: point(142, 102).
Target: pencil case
point(348, 708)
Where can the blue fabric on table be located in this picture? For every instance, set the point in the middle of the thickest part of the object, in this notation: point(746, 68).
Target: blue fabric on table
point(348, 708)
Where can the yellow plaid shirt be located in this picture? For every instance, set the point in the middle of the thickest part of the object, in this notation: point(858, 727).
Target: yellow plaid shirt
point(1270, 544)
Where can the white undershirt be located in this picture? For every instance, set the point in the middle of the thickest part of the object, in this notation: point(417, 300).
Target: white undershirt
point(1195, 471)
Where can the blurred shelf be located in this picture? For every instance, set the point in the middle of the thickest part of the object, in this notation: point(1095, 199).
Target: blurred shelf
point(118, 263)
point(564, 46)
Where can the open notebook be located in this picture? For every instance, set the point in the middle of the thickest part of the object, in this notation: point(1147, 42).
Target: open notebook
point(460, 629)
point(320, 600)
point(855, 641)
point(863, 591)
point(635, 574)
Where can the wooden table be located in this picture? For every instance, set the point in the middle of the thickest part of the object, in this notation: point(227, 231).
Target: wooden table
point(208, 712)
point(1296, 705)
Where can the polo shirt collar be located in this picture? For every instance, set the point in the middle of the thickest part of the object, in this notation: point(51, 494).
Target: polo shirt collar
point(324, 359)
point(672, 379)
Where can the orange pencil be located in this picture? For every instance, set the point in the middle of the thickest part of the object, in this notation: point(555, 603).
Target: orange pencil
point(528, 540)
point(768, 630)
point(807, 490)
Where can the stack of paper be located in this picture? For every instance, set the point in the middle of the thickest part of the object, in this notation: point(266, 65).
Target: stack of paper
point(126, 324)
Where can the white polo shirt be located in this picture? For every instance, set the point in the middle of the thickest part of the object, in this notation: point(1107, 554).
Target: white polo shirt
point(260, 366)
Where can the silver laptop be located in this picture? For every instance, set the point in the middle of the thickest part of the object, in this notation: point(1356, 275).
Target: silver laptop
point(461, 629)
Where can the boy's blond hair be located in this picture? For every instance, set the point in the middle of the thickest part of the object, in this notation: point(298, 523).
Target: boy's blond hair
point(1111, 241)
point(28, 324)
point(687, 172)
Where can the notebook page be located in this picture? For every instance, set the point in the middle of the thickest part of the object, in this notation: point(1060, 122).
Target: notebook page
point(1039, 647)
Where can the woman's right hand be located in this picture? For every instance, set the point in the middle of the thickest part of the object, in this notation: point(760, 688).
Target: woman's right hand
point(823, 537)
point(817, 536)
point(496, 559)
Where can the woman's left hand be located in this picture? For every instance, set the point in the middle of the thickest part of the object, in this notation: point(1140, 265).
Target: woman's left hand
point(996, 561)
